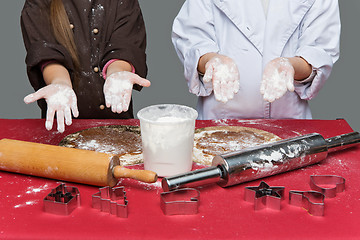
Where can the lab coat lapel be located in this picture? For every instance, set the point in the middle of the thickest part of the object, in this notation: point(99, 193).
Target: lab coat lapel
point(249, 18)
point(282, 20)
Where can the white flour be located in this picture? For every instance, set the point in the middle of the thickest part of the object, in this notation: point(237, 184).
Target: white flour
point(225, 80)
point(116, 85)
point(100, 147)
point(167, 148)
point(62, 96)
point(26, 204)
point(167, 133)
point(221, 121)
point(277, 78)
point(151, 186)
point(224, 71)
point(37, 189)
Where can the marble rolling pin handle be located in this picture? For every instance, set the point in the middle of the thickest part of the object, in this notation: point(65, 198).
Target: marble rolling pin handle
point(67, 164)
point(262, 161)
point(192, 179)
point(343, 141)
point(141, 175)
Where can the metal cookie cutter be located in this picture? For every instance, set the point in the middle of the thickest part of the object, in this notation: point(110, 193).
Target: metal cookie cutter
point(329, 185)
point(183, 201)
point(111, 200)
point(312, 201)
point(62, 200)
point(264, 196)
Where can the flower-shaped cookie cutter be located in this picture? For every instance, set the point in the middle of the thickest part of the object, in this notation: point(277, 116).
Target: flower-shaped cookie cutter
point(62, 200)
point(312, 201)
point(264, 196)
point(183, 201)
point(329, 185)
point(111, 200)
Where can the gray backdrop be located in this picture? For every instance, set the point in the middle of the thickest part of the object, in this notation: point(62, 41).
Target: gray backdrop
point(338, 99)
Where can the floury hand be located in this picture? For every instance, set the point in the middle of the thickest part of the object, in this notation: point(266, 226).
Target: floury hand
point(278, 78)
point(60, 99)
point(118, 88)
point(225, 77)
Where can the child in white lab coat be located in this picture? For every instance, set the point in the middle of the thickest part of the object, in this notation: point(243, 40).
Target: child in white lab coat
point(257, 58)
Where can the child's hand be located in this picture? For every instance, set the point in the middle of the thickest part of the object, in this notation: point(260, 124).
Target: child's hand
point(118, 87)
point(224, 74)
point(278, 78)
point(60, 98)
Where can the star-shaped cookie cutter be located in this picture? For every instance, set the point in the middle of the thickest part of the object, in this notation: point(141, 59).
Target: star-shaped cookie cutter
point(329, 185)
point(312, 201)
point(111, 200)
point(264, 196)
point(62, 200)
point(183, 201)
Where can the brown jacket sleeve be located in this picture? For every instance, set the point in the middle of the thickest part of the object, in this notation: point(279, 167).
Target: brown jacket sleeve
point(39, 42)
point(128, 39)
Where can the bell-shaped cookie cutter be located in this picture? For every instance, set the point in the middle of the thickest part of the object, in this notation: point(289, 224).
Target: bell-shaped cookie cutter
point(183, 201)
point(62, 200)
point(111, 200)
point(312, 201)
point(264, 196)
point(321, 184)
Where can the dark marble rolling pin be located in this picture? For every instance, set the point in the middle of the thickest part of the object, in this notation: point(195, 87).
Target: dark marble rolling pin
point(263, 161)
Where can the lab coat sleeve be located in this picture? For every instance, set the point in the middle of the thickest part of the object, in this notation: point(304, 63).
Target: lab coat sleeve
point(319, 45)
point(193, 35)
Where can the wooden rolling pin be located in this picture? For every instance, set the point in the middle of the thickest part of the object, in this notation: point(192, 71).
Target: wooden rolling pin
point(68, 164)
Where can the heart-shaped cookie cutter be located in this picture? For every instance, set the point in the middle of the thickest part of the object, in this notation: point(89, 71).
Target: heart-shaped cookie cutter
point(320, 183)
point(312, 201)
point(62, 200)
point(183, 201)
point(111, 200)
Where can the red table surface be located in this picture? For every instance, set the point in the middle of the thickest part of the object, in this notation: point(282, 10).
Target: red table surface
point(223, 214)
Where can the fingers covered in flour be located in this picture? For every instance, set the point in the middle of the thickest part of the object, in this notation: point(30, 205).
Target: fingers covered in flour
point(224, 74)
point(277, 79)
point(61, 100)
point(118, 88)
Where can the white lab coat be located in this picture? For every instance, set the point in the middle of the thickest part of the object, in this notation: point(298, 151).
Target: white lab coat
point(239, 30)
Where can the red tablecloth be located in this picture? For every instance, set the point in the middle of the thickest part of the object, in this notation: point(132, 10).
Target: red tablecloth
point(223, 214)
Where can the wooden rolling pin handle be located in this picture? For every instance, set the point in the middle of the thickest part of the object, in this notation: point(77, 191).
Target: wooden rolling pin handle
point(141, 175)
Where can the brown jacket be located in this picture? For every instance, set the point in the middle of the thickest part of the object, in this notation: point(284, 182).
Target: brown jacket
point(120, 34)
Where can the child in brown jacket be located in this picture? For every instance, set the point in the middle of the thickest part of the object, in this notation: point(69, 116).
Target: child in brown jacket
point(84, 57)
